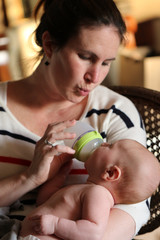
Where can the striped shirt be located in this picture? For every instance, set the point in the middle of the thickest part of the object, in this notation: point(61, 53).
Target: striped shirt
point(111, 114)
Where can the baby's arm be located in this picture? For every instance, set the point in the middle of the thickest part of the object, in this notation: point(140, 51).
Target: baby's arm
point(96, 204)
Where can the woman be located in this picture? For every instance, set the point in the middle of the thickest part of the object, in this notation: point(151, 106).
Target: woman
point(79, 39)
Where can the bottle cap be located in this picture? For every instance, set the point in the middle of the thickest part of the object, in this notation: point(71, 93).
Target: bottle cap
point(83, 140)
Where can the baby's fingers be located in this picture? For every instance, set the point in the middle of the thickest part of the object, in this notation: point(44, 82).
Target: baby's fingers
point(36, 224)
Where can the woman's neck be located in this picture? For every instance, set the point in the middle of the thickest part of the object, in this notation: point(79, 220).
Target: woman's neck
point(30, 98)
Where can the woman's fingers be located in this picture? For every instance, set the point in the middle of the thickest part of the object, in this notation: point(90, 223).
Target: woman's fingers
point(56, 131)
point(62, 149)
point(47, 148)
point(58, 127)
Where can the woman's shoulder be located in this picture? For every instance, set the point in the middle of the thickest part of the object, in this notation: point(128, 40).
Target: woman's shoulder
point(4, 87)
point(107, 96)
point(105, 92)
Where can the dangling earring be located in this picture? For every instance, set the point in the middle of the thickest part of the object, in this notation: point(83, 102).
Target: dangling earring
point(46, 63)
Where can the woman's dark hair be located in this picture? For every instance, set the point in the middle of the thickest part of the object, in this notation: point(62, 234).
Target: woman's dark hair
point(64, 18)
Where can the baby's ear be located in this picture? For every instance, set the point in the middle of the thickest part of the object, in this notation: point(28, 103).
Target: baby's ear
point(112, 173)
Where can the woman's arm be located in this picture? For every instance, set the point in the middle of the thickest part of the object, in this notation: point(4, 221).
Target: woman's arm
point(42, 168)
point(14, 187)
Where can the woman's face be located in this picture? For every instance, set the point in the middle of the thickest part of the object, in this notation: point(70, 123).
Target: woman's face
point(84, 62)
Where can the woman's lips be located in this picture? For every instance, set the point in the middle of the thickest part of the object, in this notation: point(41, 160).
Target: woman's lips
point(83, 92)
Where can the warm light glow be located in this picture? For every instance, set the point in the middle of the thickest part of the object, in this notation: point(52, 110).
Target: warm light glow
point(28, 49)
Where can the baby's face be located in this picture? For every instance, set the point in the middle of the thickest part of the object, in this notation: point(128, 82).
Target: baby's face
point(104, 155)
point(109, 154)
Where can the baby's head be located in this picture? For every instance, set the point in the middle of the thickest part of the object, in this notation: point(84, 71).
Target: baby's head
point(126, 168)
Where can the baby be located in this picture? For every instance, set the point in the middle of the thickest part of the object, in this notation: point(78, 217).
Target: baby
point(123, 172)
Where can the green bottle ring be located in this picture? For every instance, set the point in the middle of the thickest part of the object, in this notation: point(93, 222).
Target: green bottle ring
point(84, 140)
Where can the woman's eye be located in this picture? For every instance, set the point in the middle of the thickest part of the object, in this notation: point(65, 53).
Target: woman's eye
point(84, 57)
point(106, 64)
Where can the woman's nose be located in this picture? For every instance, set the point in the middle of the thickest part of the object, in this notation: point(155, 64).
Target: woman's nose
point(92, 75)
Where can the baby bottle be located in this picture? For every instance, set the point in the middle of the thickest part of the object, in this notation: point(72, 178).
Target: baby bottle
point(85, 142)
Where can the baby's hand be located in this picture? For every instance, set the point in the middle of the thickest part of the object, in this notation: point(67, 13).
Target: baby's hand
point(44, 224)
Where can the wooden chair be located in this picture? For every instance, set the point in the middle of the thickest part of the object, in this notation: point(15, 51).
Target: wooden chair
point(147, 102)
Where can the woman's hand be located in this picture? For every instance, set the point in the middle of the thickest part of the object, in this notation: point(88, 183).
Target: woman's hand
point(45, 166)
point(45, 162)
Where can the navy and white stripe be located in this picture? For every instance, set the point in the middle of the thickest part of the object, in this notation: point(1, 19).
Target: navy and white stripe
point(16, 136)
point(116, 111)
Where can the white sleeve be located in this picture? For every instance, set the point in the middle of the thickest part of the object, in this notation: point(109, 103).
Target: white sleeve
point(126, 123)
point(139, 211)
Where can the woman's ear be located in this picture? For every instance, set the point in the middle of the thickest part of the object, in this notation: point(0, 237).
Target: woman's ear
point(47, 44)
point(111, 174)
